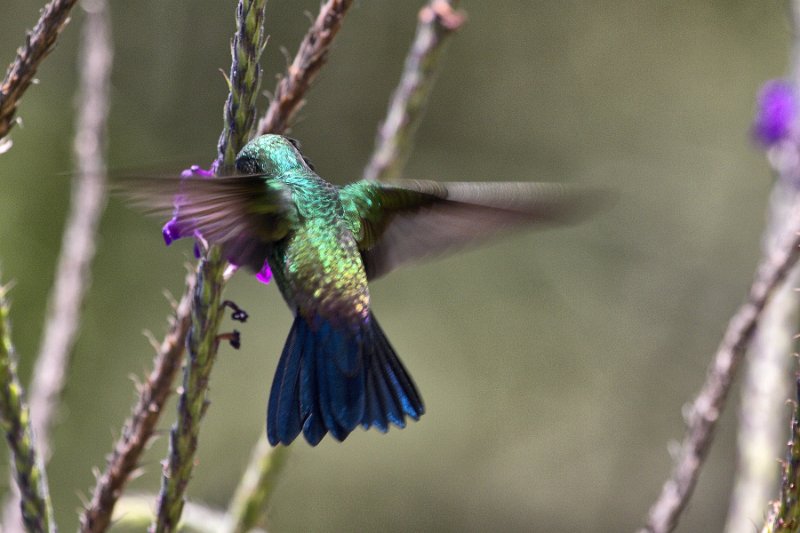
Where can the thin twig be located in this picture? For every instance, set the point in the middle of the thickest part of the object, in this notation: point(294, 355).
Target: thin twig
point(207, 310)
point(80, 234)
point(38, 43)
point(248, 506)
point(705, 411)
point(139, 428)
point(29, 472)
point(288, 96)
point(437, 20)
point(784, 516)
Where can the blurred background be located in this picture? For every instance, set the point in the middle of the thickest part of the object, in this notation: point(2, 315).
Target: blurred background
point(554, 364)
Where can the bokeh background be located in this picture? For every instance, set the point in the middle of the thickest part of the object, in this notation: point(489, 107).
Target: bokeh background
point(554, 364)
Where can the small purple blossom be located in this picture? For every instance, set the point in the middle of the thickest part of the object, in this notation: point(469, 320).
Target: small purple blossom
point(171, 231)
point(265, 274)
point(776, 112)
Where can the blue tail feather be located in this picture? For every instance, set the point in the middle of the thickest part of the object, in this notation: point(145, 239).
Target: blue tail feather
point(330, 380)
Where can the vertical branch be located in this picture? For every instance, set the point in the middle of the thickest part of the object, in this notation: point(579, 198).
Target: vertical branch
point(437, 20)
point(249, 503)
point(29, 473)
point(784, 516)
point(766, 383)
point(704, 412)
point(206, 315)
point(38, 43)
point(78, 243)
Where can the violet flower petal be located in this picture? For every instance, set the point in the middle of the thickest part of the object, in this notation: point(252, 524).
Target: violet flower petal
point(171, 231)
point(265, 274)
point(776, 113)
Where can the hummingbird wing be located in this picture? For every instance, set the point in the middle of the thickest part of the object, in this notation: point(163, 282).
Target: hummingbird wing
point(243, 214)
point(403, 221)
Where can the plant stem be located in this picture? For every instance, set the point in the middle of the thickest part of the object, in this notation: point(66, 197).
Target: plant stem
point(207, 310)
point(28, 468)
point(78, 243)
point(248, 506)
point(437, 21)
point(785, 513)
point(707, 407)
point(288, 96)
point(38, 43)
point(139, 428)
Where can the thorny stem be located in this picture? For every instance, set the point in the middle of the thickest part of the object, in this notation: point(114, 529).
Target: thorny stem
point(785, 513)
point(38, 43)
point(139, 428)
point(707, 407)
point(29, 472)
point(202, 346)
point(437, 21)
point(288, 96)
point(207, 309)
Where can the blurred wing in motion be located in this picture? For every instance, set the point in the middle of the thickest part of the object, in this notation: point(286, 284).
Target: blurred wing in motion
point(243, 214)
point(403, 221)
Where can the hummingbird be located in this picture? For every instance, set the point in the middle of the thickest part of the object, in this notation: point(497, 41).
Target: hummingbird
point(324, 244)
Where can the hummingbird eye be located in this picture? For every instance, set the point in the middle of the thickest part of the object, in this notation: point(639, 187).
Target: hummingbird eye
point(247, 165)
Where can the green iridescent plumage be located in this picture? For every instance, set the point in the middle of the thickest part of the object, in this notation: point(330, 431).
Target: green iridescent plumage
point(323, 244)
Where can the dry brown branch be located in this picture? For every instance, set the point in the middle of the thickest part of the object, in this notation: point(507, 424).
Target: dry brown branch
point(38, 43)
point(139, 428)
point(288, 96)
point(707, 407)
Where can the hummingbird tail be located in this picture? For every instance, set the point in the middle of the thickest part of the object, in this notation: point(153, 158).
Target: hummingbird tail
point(331, 380)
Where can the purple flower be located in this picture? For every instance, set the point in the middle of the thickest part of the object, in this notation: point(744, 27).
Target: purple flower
point(776, 113)
point(265, 274)
point(172, 231)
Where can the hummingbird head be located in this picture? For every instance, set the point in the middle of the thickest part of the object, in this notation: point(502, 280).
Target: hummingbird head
point(271, 155)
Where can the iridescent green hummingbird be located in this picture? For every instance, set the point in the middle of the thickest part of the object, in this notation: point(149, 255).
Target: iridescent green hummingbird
point(324, 244)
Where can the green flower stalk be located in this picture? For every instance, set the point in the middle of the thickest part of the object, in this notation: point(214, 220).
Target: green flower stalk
point(29, 473)
point(207, 312)
point(249, 503)
point(245, 79)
